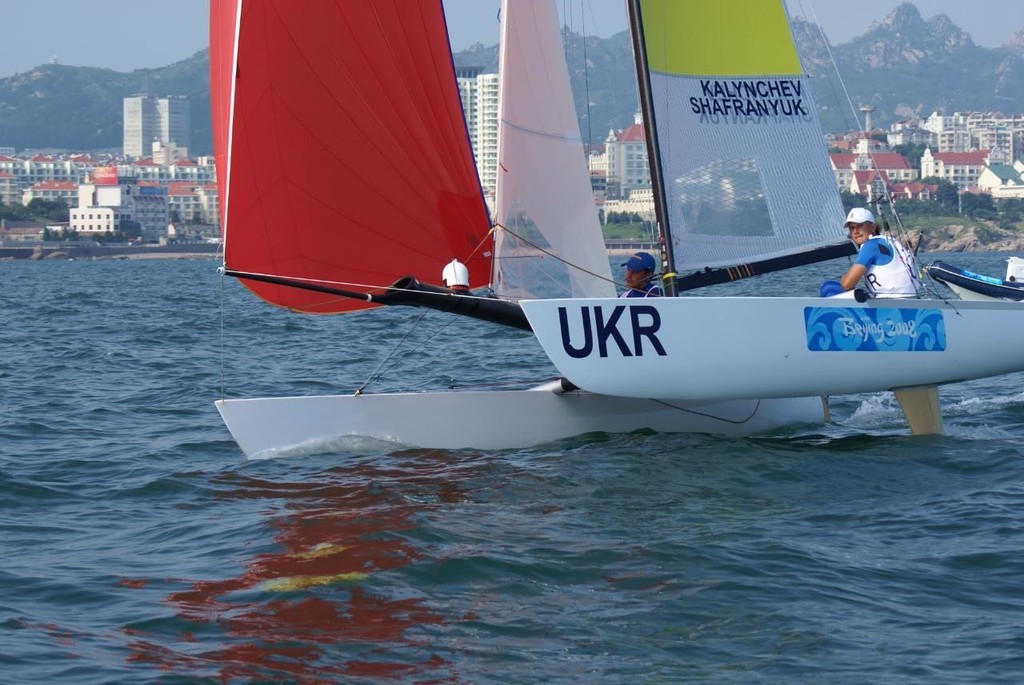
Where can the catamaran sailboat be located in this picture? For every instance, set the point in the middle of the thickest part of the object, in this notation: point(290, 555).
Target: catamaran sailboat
point(339, 134)
point(741, 177)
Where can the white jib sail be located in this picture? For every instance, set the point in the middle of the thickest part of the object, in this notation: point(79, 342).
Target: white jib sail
point(549, 241)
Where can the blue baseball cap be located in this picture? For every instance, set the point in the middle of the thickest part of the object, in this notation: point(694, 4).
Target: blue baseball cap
point(641, 261)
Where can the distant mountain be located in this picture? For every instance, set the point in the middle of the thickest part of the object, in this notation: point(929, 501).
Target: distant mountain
point(903, 66)
point(80, 108)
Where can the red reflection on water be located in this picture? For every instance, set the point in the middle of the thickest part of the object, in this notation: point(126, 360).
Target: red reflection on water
point(304, 610)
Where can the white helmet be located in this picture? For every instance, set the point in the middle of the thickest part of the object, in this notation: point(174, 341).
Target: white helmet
point(455, 273)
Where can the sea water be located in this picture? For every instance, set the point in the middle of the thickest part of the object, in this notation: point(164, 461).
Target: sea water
point(139, 545)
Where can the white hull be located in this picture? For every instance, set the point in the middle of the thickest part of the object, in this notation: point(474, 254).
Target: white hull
point(487, 419)
point(971, 295)
point(717, 348)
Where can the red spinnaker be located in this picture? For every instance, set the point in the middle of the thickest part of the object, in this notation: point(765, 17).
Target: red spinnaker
point(342, 153)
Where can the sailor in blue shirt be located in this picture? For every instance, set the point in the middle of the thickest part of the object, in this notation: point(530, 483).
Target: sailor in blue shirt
point(639, 273)
point(888, 269)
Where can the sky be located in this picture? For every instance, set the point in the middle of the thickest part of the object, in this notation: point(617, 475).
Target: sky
point(133, 34)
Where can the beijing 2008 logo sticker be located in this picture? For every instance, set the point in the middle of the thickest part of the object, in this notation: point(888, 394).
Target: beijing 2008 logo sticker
point(851, 329)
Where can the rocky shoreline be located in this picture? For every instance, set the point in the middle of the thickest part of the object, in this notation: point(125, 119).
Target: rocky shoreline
point(959, 238)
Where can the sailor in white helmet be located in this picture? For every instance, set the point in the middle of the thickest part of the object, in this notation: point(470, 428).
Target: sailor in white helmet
point(887, 267)
point(455, 277)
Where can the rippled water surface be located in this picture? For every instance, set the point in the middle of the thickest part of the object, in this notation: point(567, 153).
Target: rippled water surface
point(138, 545)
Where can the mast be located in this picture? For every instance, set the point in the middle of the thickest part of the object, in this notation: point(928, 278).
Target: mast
point(653, 158)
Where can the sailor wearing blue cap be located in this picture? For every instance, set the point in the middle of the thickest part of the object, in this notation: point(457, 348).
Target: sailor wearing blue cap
point(639, 273)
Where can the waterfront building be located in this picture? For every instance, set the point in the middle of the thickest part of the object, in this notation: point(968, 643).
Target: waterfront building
point(106, 208)
point(874, 171)
point(962, 169)
point(914, 191)
point(1003, 181)
point(51, 191)
point(183, 199)
point(209, 203)
point(626, 152)
point(8, 165)
point(1002, 137)
point(194, 204)
point(10, 193)
point(20, 231)
point(639, 201)
point(196, 172)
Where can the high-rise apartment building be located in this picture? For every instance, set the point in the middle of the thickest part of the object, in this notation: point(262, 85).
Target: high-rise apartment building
point(479, 94)
point(149, 119)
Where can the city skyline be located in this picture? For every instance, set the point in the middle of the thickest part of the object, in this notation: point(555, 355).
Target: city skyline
point(74, 37)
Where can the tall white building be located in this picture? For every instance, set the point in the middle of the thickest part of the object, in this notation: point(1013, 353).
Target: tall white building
point(149, 119)
point(479, 94)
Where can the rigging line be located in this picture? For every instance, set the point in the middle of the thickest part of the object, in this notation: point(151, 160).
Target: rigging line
point(852, 109)
point(903, 238)
point(223, 344)
point(556, 257)
point(901, 231)
point(833, 62)
point(376, 373)
point(586, 77)
point(737, 422)
point(480, 244)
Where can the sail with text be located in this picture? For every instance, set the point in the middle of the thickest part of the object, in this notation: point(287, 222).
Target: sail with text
point(740, 168)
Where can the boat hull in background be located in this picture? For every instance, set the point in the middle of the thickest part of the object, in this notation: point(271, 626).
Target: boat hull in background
point(971, 286)
point(279, 426)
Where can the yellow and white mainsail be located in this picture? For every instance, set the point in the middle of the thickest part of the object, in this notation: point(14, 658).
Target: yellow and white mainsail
point(739, 158)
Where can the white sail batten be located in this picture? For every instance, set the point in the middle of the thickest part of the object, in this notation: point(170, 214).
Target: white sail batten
point(549, 241)
point(743, 161)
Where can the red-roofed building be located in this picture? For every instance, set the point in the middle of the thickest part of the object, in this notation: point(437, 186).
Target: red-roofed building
point(183, 199)
point(22, 231)
point(913, 191)
point(959, 168)
point(870, 184)
point(186, 170)
point(627, 160)
point(855, 173)
point(52, 191)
